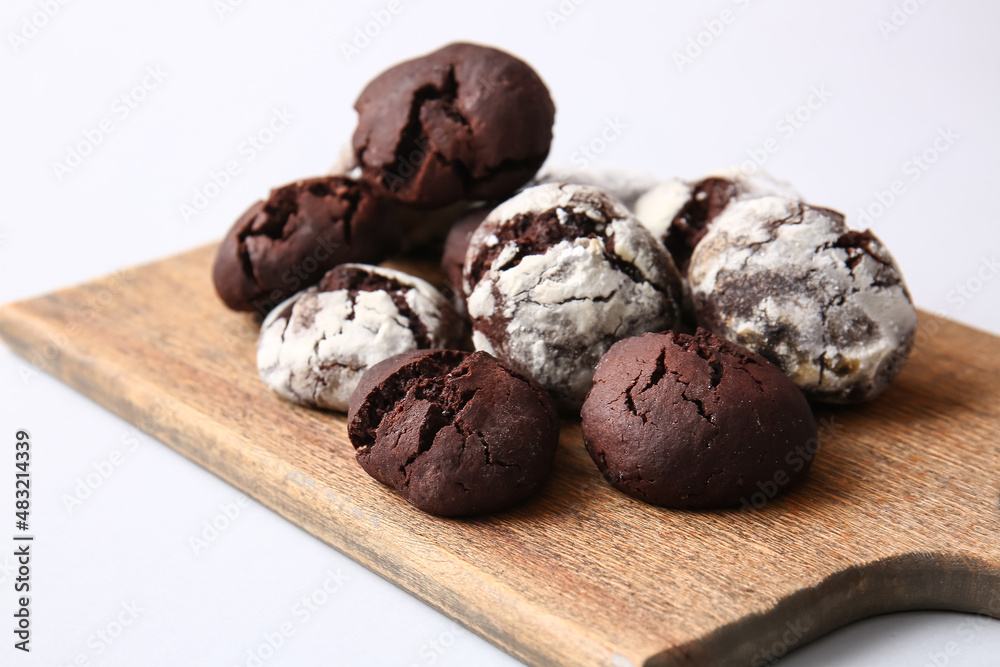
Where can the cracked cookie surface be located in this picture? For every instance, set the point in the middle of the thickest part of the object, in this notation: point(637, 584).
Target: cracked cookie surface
point(695, 421)
point(455, 433)
point(314, 348)
point(791, 282)
point(556, 275)
point(679, 213)
point(463, 122)
point(287, 242)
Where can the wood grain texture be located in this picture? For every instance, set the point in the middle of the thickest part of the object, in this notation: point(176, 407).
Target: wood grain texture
point(899, 512)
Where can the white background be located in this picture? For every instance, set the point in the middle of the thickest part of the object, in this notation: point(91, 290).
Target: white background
point(225, 72)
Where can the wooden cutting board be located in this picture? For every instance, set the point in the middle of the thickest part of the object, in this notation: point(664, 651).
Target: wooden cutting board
point(899, 512)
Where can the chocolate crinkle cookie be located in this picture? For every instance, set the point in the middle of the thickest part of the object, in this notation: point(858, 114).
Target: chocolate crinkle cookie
point(791, 282)
point(290, 240)
point(314, 348)
point(455, 433)
point(463, 122)
point(695, 422)
point(679, 213)
point(557, 274)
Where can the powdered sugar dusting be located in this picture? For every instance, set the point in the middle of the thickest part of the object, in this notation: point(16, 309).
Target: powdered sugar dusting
point(555, 312)
point(316, 354)
point(791, 282)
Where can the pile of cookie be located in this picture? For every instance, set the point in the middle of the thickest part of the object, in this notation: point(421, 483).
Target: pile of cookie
point(688, 323)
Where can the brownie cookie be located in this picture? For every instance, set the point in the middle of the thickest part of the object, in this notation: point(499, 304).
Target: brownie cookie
point(557, 274)
point(625, 184)
point(695, 422)
point(314, 348)
point(678, 213)
point(290, 240)
point(791, 282)
point(463, 122)
point(455, 247)
point(455, 433)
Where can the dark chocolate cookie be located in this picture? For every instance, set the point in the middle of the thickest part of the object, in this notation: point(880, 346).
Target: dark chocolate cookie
point(455, 433)
point(679, 213)
point(314, 349)
point(557, 274)
point(695, 422)
point(463, 122)
point(793, 283)
point(290, 240)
